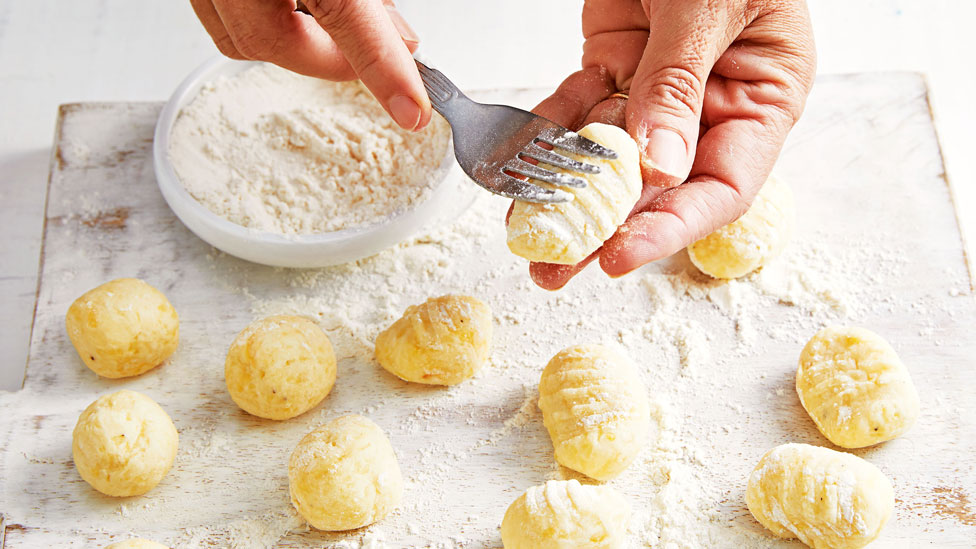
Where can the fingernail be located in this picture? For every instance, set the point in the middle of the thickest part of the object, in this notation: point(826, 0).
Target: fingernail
point(406, 112)
point(667, 151)
point(406, 33)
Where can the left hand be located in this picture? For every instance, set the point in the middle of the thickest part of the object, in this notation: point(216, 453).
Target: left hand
point(714, 88)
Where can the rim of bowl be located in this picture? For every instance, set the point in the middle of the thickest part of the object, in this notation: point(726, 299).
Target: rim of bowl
point(172, 187)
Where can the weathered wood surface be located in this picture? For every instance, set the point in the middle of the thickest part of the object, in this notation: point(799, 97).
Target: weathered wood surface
point(877, 245)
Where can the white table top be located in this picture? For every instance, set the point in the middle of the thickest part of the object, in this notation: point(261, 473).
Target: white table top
point(114, 50)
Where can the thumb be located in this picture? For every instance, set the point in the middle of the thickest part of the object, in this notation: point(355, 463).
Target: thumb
point(367, 33)
point(668, 88)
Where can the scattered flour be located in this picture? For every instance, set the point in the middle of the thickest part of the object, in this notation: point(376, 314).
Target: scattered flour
point(283, 153)
point(707, 351)
point(694, 337)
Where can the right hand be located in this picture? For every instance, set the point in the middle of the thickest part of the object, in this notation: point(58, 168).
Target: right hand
point(714, 88)
point(340, 40)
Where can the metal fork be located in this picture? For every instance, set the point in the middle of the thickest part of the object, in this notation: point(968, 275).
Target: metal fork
point(492, 143)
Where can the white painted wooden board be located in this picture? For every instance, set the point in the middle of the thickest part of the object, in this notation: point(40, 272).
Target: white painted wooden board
point(877, 245)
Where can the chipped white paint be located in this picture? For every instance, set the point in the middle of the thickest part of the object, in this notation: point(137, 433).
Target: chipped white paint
point(866, 169)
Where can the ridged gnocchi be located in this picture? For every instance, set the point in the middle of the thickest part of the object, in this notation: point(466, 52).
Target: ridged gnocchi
point(564, 514)
point(344, 475)
point(595, 408)
point(442, 341)
point(827, 499)
point(280, 367)
point(855, 388)
point(751, 241)
point(568, 232)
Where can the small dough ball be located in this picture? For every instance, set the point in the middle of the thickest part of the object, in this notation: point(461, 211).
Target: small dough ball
point(827, 499)
point(137, 543)
point(123, 328)
point(855, 387)
point(124, 444)
point(568, 232)
point(751, 241)
point(563, 514)
point(280, 367)
point(344, 475)
point(442, 341)
point(595, 408)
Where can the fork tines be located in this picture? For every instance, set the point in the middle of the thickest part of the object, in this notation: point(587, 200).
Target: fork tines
point(576, 143)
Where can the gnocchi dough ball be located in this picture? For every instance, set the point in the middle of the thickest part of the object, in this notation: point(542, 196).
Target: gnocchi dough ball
point(124, 444)
point(280, 367)
point(827, 499)
point(123, 328)
point(344, 475)
point(751, 241)
point(563, 514)
point(442, 341)
point(855, 387)
point(568, 232)
point(136, 543)
point(595, 408)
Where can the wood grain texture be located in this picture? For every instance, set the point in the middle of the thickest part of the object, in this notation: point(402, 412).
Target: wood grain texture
point(874, 207)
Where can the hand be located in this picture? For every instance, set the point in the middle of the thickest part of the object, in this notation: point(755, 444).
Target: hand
point(340, 40)
point(714, 87)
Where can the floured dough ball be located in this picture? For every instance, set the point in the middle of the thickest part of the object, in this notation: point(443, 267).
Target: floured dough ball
point(595, 408)
point(124, 444)
point(137, 543)
point(827, 499)
point(123, 328)
point(855, 387)
point(568, 232)
point(442, 341)
point(280, 367)
point(563, 514)
point(749, 242)
point(344, 475)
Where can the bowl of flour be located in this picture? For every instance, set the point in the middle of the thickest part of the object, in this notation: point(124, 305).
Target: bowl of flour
point(291, 171)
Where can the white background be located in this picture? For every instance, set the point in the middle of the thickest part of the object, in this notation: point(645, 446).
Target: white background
point(119, 50)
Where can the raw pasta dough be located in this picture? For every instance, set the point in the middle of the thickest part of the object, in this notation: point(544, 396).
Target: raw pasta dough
point(563, 514)
point(123, 328)
point(828, 499)
point(595, 408)
point(344, 475)
point(442, 341)
point(568, 232)
point(855, 387)
point(280, 367)
point(124, 444)
point(749, 242)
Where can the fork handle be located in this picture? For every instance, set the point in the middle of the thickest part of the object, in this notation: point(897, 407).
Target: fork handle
point(444, 95)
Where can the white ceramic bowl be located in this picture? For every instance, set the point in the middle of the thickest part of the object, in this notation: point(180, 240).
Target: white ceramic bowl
point(449, 198)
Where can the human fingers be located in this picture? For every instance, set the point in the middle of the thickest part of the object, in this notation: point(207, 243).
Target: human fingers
point(370, 41)
point(572, 101)
point(551, 276)
point(210, 19)
point(666, 94)
point(576, 96)
point(272, 31)
point(753, 98)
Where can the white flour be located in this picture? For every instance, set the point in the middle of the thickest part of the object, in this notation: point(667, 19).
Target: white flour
point(283, 153)
point(681, 494)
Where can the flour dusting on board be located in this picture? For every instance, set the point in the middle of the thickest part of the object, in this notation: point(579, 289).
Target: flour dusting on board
point(685, 329)
point(284, 153)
